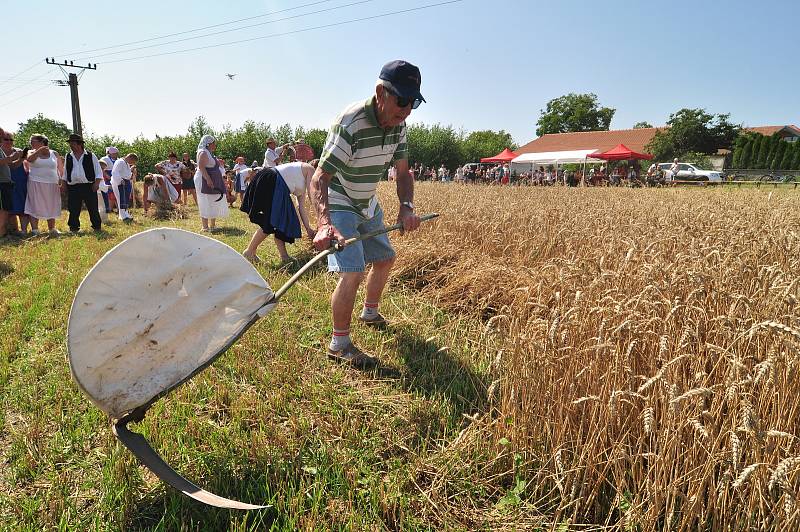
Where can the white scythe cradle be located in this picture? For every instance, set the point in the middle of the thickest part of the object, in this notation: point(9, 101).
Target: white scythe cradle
point(154, 311)
point(185, 297)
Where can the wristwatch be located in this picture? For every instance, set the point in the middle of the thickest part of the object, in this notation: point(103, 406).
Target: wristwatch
point(407, 204)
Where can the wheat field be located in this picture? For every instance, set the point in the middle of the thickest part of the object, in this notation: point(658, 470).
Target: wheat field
point(643, 347)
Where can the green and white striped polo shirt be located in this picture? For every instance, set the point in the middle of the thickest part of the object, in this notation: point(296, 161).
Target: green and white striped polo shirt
point(357, 154)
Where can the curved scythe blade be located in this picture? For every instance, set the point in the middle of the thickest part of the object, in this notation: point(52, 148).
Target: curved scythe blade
point(138, 445)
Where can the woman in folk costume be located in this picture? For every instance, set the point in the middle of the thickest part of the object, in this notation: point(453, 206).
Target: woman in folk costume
point(43, 201)
point(210, 183)
point(268, 203)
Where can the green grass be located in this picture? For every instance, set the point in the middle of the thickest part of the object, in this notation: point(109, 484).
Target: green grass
point(272, 421)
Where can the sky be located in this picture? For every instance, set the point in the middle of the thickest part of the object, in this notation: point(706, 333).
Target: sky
point(484, 64)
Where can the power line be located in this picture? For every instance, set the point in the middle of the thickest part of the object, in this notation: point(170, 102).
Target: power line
point(324, 26)
point(93, 57)
point(196, 29)
point(21, 81)
point(37, 63)
point(25, 95)
point(46, 74)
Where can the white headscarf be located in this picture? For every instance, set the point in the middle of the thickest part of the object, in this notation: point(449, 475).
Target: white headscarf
point(205, 141)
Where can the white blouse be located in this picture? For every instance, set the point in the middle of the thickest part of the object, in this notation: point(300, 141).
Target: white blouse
point(44, 170)
point(292, 174)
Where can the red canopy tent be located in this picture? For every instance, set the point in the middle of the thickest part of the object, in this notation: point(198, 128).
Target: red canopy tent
point(621, 153)
point(504, 156)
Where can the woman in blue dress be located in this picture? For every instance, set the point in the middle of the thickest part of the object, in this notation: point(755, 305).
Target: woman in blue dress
point(19, 176)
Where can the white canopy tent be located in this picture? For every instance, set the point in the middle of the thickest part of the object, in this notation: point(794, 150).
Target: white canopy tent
point(554, 158)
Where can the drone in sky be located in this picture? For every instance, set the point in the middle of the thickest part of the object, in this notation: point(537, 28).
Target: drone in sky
point(230, 76)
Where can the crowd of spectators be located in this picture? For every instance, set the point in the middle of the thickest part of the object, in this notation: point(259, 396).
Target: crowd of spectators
point(36, 182)
point(624, 173)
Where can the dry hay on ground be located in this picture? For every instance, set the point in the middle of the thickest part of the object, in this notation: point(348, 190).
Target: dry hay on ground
point(647, 339)
point(167, 211)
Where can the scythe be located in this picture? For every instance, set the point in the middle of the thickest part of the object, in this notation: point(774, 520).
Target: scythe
point(155, 311)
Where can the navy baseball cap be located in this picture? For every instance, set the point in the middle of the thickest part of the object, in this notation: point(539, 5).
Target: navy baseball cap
point(403, 79)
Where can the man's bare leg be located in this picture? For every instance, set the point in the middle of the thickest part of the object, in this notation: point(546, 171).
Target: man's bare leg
point(344, 298)
point(376, 280)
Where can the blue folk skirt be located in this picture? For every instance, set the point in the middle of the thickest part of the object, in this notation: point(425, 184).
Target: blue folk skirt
point(268, 203)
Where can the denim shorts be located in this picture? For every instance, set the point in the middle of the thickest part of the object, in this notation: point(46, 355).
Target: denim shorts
point(355, 257)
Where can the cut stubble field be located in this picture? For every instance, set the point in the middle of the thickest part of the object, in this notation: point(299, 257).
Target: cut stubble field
point(561, 358)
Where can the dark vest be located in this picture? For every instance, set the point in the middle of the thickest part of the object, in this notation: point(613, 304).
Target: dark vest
point(88, 166)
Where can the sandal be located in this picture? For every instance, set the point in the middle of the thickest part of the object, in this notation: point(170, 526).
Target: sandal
point(252, 258)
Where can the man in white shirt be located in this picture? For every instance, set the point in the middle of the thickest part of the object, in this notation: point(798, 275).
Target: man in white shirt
point(82, 177)
point(673, 170)
point(122, 183)
point(273, 153)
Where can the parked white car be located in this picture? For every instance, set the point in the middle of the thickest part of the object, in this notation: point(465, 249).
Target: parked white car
point(690, 172)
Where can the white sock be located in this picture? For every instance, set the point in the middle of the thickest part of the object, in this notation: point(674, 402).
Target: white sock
point(370, 311)
point(340, 339)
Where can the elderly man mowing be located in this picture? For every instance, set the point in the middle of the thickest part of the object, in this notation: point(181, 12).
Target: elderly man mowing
point(365, 139)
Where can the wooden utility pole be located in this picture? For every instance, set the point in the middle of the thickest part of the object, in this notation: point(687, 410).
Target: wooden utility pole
point(72, 82)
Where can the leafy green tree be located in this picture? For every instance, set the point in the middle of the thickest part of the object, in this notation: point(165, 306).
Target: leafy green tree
point(434, 145)
point(743, 145)
point(746, 154)
point(431, 145)
point(693, 130)
point(796, 156)
point(574, 112)
point(479, 144)
point(777, 155)
point(642, 125)
point(796, 160)
point(773, 143)
point(760, 155)
point(316, 139)
point(700, 160)
point(56, 132)
point(200, 127)
point(736, 161)
point(788, 157)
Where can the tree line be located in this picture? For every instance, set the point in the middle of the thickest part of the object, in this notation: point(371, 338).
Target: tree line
point(756, 151)
point(690, 134)
point(431, 145)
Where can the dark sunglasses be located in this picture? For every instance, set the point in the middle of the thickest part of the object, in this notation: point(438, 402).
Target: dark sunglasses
point(404, 101)
point(9, 139)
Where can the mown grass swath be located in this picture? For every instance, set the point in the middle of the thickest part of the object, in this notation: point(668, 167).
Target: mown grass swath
point(575, 358)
